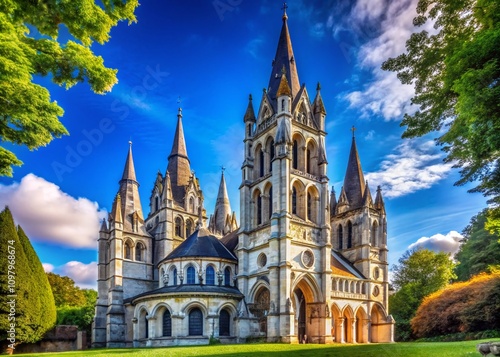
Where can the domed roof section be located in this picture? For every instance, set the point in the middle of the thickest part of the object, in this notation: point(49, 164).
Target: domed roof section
point(201, 244)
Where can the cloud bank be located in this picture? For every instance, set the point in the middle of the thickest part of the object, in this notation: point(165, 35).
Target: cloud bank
point(84, 275)
point(411, 168)
point(48, 214)
point(449, 243)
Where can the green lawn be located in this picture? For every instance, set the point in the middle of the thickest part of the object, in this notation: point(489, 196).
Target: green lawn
point(441, 349)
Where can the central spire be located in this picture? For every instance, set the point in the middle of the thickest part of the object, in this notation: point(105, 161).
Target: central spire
point(354, 181)
point(178, 162)
point(284, 58)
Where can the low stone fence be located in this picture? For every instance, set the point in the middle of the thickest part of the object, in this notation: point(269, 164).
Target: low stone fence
point(61, 338)
point(487, 348)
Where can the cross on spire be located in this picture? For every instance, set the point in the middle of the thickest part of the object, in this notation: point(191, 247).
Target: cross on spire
point(285, 6)
point(223, 168)
point(353, 129)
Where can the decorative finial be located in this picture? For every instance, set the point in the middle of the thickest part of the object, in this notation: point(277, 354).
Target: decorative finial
point(318, 86)
point(130, 143)
point(353, 129)
point(223, 169)
point(250, 97)
point(285, 6)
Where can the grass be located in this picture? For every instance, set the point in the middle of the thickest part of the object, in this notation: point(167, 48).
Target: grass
point(415, 349)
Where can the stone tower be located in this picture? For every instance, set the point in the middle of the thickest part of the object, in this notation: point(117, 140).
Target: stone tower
point(284, 246)
point(124, 264)
point(359, 227)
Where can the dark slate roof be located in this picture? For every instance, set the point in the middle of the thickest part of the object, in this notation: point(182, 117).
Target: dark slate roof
point(347, 264)
point(201, 244)
point(194, 289)
point(230, 240)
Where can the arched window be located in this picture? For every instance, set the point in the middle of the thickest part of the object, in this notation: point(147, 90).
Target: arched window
point(309, 206)
point(128, 251)
point(308, 160)
point(249, 129)
point(271, 155)
point(191, 204)
point(282, 105)
point(139, 252)
point(341, 237)
point(167, 323)
point(349, 235)
point(195, 322)
point(157, 203)
point(261, 163)
point(374, 234)
point(294, 200)
point(189, 227)
point(224, 323)
point(295, 155)
point(190, 275)
point(210, 275)
point(227, 276)
point(174, 275)
point(270, 203)
point(259, 209)
point(178, 226)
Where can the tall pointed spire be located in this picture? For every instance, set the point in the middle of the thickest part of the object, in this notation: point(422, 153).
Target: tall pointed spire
point(284, 58)
point(354, 181)
point(129, 170)
point(222, 212)
point(128, 197)
point(178, 162)
point(379, 201)
point(249, 114)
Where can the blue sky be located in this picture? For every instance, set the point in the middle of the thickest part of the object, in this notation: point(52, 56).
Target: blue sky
point(212, 54)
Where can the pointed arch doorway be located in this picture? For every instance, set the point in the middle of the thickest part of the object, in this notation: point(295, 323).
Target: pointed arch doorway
point(300, 303)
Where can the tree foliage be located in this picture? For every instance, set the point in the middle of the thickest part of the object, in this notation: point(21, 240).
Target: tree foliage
point(464, 307)
point(417, 274)
point(480, 250)
point(65, 292)
point(455, 70)
point(31, 45)
point(29, 305)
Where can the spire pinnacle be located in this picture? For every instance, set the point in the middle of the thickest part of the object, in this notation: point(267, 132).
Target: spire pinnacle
point(222, 212)
point(285, 6)
point(129, 170)
point(354, 181)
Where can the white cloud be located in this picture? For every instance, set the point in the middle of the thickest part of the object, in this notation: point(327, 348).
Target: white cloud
point(253, 47)
point(84, 275)
point(413, 167)
point(449, 243)
point(384, 95)
point(47, 267)
point(48, 214)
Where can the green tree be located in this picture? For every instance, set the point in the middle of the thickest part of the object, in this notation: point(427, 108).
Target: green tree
point(417, 274)
point(480, 250)
point(30, 46)
point(21, 303)
point(455, 71)
point(65, 292)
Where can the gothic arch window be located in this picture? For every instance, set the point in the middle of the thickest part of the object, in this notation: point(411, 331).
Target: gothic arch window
point(311, 158)
point(349, 235)
point(282, 105)
point(191, 204)
point(174, 276)
point(190, 275)
point(249, 130)
point(261, 163)
point(295, 155)
point(178, 226)
point(157, 203)
point(340, 236)
point(189, 227)
point(227, 276)
point(309, 206)
point(308, 161)
point(294, 200)
point(270, 202)
point(210, 275)
point(374, 238)
point(195, 322)
point(128, 251)
point(258, 214)
point(224, 323)
point(167, 323)
point(270, 150)
point(312, 205)
point(139, 252)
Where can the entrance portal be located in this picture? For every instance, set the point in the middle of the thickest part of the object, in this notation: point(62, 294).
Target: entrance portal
point(301, 318)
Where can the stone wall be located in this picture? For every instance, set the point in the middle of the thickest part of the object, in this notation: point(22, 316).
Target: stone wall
point(61, 338)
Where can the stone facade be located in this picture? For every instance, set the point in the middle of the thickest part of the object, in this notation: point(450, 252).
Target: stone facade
point(301, 267)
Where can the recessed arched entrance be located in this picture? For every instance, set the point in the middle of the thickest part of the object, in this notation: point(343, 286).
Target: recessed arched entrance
point(260, 309)
point(303, 295)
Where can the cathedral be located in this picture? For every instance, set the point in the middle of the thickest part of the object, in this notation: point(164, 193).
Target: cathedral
point(302, 265)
